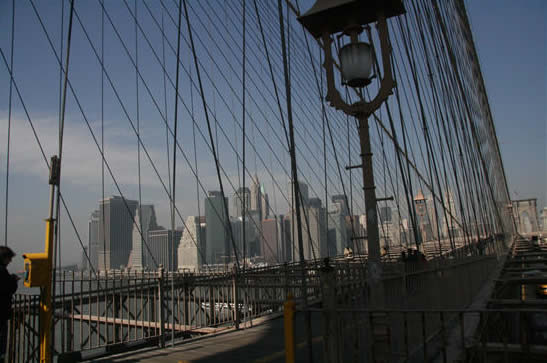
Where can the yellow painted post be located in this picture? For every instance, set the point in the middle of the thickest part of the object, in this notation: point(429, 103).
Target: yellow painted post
point(288, 319)
point(45, 298)
point(39, 270)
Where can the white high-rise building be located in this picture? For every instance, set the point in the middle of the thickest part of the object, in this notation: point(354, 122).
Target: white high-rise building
point(145, 220)
point(191, 250)
point(93, 239)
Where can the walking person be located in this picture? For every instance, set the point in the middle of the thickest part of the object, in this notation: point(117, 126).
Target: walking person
point(8, 286)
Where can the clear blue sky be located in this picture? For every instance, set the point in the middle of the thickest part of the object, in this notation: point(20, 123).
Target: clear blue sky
point(510, 38)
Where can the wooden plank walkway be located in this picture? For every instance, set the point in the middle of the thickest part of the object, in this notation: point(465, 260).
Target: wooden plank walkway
point(261, 343)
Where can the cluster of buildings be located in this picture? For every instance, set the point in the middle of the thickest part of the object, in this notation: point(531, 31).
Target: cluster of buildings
point(124, 234)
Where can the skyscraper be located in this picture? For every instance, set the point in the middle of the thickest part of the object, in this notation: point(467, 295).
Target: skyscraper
point(265, 204)
point(115, 234)
point(164, 244)
point(93, 239)
point(314, 231)
point(422, 216)
point(145, 220)
point(191, 251)
point(303, 191)
point(217, 221)
point(271, 240)
point(256, 196)
point(242, 194)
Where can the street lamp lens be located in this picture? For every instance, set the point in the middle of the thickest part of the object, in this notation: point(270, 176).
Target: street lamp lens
point(356, 64)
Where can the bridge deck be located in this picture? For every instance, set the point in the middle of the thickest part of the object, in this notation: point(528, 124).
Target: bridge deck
point(264, 342)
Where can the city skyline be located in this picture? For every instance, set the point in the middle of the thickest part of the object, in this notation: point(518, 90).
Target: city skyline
point(517, 110)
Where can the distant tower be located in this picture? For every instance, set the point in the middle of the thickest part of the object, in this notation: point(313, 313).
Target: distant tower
point(145, 220)
point(217, 221)
point(164, 244)
point(115, 234)
point(237, 201)
point(265, 210)
point(93, 238)
point(314, 231)
point(337, 238)
point(256, 196)
point(270, 240)
point(424, 224)
point(191, 250)
point(303, 191)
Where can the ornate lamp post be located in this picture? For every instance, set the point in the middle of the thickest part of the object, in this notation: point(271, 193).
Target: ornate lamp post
point(324, 20)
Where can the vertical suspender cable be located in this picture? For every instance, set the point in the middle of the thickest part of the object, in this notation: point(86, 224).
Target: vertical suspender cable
point(138, 136)
point(165, 102)
point(211, 139)
point(175, 120)
point(9, 123)
point(103, 219)
point(243, 111)
point(57, 242)
point(294, 172)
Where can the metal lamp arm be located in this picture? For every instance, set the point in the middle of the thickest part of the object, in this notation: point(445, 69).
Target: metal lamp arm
point(333, 95)
point(362, 107)
point(387, 83)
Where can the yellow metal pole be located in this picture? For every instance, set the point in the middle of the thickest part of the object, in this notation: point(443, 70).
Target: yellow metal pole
point(45, 298)
point(288, 319)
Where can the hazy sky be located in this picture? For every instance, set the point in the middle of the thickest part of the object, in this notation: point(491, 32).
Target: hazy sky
point(511, 40)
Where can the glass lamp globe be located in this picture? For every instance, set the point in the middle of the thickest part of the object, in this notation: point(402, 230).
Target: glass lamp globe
point(356, 64)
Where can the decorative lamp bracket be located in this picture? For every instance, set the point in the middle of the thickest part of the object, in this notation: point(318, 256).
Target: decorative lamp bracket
point(360, 108)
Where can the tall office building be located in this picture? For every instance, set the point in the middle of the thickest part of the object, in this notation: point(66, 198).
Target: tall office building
point(303, 191)
point(115, 234)
point(450, 217)
point(337, 233)
point(93, 239)
point(341, 204)
point(256, 196)
point(145, 220)
point(544, 220)
point(385, 215)
point(164, 244)
point(191, 251)
point(250, 246)
point(314, 231)
point(217, 238)
point(265, 204)
point(241, 195)
point(422, 216)
point(271, 240)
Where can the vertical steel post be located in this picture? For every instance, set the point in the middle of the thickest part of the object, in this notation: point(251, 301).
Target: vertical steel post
point(160, 306)
point(374, 268)
point(45, 291)
point(288, 319)
point(235, 295)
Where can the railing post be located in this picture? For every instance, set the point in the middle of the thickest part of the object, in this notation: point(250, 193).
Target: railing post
point(286, 276)
point(330, 326)
point(236, 297)
point(160, 305)
point(211, 305)
point(288, 320)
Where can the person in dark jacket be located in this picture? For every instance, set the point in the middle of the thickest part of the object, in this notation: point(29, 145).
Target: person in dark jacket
point(8, 286)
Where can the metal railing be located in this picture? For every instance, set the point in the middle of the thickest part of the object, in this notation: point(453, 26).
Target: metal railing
point(24, 327)
point(356, 335)
point(422, 304)
point(118, 311)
